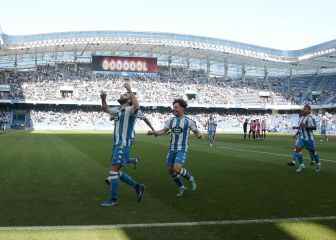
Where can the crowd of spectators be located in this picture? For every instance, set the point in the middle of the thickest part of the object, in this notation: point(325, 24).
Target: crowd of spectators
point(80, 83)
point(95, 120)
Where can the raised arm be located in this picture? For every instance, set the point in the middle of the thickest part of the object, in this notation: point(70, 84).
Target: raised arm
point(104, 103)
point(134, 99)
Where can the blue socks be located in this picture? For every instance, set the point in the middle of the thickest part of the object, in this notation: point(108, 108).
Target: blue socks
point(314, 157)
point(177, 179)
point(186, 174)
point(114, 176)
point(124, 177)
point(114, 179)
point(297, 157)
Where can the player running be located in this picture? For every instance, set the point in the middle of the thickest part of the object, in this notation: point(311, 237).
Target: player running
point(180, 126)
point(212, 127)
point(124, 120)
point(305, 139)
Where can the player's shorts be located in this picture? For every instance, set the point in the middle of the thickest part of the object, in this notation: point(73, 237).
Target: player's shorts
point(323, 131)
point(120, 155)
point(211, 132)
point(308, 144)
point(176, 157)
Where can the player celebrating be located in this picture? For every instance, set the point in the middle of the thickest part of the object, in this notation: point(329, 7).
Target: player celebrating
point(306, 140)
point(180, 126)
point(124, 118)
point(212, 126)
point(142, 117)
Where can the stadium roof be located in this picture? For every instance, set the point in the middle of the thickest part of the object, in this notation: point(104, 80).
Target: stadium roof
point(321, 56)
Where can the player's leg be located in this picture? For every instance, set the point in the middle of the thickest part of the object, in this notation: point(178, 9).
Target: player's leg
point(213, 137)
point(132, 160)
point(125, 178)
point(310, 146)
point(298, 157)
point(179, 168)
point(113, 181)
point(292, 163)
point(210, 137)
point(120, 155)
point(177, 178)
point(324, 135)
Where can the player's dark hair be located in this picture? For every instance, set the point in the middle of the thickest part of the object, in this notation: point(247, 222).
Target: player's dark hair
point(181, 102)
point(307, 106)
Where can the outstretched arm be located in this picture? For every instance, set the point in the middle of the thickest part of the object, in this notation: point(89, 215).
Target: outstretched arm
point(197, 133)
point(149, 124)
point(158, 133)
point(195, 130)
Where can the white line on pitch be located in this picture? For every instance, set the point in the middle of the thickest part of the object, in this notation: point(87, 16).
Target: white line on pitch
point(263, 152)
point(175, 224)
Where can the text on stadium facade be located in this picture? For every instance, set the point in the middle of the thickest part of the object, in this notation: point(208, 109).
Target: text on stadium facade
point(124, 64)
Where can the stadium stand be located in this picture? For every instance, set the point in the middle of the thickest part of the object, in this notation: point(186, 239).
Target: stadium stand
point(47, 84)
point(49, 81)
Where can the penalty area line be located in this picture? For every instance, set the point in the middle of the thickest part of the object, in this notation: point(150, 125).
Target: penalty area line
point(174, 224)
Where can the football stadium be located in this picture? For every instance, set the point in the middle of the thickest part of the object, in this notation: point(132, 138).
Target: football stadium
point(208, 138)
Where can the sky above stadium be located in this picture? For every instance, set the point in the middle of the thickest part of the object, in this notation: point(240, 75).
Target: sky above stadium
point(285, 24)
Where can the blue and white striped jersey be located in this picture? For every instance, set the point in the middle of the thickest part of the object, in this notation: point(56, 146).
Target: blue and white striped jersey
point(180, 130)
point(324, 123)
point(124, 121)
point(212, 125)
point(304, 132)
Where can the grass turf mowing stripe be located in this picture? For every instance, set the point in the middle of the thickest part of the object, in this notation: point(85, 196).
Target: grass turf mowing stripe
point(172, 224)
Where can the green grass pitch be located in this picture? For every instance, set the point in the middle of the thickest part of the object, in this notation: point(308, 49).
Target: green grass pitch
point(53, 179)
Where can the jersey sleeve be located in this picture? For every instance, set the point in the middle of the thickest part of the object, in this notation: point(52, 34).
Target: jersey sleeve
point(311, 122)
point(168, 123)
point(193, 126)
point(113, 110)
